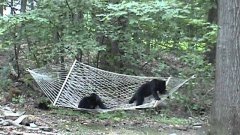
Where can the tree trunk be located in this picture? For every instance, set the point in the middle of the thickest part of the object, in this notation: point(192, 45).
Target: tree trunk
point(225, 115)
point(212, 12)
point(1, 7)
point(212, 18)
point(18, 46)
point(32, 4)
point(23, 6)
point(12, 10)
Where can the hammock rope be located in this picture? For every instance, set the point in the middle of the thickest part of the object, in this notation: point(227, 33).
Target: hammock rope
point(66, 85)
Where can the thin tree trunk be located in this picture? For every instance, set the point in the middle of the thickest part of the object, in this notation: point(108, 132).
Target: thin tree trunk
point(17, 46)
point(225, 116)
point(16, 53)
point(23, 5)
point(212, 12)
point(32, 4)
point(212, 18)
point(1, 8)
point(12, 10)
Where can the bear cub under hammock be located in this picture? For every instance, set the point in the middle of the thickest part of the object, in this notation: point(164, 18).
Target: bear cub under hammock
point(91, 102)
point(147, 89)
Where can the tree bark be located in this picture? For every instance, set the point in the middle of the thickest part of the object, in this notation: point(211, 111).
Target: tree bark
point(32, 4)
point(1, 8)
point(23, 6)
point(12, 9)
point(225, 115)
point(212, 18)
point(212, 12)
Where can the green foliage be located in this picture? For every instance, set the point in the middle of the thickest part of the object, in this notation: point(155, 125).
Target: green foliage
point(158, 26)
point(19, 100)
point(142, 29)
point(196, 99)
point(171, 120)
point(49, 34)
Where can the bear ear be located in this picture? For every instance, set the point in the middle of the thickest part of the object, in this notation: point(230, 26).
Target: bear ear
point(93, 95)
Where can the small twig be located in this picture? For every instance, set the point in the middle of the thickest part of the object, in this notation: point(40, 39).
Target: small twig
point(207, 93)
point(12, 8)
point(189, 111)
point(146, 63)
point(72, 15)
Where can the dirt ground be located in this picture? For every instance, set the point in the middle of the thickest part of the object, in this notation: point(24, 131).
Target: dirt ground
point(69, 122)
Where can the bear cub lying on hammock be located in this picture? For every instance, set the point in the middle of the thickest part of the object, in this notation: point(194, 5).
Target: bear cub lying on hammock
point(147, 89)
point(91, 102)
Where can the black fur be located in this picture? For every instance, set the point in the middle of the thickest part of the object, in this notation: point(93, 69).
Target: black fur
point(42, 104)
point(91, 102)
point(147, 89)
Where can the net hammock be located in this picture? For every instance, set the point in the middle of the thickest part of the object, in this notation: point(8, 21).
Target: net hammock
point(66, 84)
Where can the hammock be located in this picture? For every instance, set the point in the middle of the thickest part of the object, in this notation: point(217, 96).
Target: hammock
point(66, 85)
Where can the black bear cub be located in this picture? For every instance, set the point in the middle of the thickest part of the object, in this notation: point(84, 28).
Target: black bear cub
point(147, 89)
point(91, 102)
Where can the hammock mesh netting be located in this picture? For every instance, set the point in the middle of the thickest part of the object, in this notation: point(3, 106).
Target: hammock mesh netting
point(66, 84)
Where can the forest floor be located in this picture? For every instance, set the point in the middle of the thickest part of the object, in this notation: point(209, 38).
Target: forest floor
point(72, 122)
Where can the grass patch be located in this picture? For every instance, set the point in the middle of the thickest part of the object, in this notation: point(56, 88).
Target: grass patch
point(70, 112)
point(118, 116)
point(171, 120)
point(115, 116)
